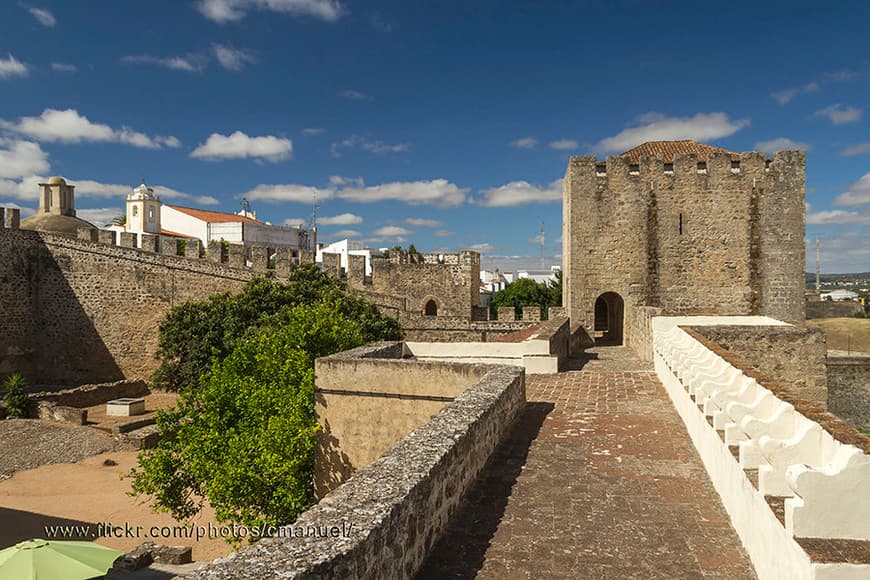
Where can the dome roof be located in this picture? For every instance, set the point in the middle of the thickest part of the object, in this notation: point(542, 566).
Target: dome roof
point(57, 180)
point(56, 224)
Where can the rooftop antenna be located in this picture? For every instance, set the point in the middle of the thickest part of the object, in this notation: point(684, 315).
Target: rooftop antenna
point(541, 239)
point(818, 267)
point(314, 208)
point(246, 207)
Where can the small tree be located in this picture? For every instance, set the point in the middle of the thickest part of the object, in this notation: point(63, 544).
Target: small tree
point(15, 396)
point(524, 292)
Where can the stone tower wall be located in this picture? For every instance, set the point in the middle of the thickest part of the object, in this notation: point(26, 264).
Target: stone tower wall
point(710, 235)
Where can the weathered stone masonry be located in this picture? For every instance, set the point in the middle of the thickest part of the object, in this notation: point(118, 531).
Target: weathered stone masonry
point(722, 234)
point(77, 312)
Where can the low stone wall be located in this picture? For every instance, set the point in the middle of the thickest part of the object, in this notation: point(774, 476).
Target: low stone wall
point(368, 398)
point(421, 328)
point(794, 356)
point(849, 387)
point(639, 337)
point(383, 520)
point(828, 309)
point(89, 395)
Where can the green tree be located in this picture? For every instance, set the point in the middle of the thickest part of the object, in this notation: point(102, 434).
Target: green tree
point(527, 292)
point(15, 396)
point(244, 439)
point(195, 333)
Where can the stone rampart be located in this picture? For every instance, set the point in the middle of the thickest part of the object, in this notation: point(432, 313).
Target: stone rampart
point(384, 519)
point(830, 309)
point(89, 395)
point(794, 356)
point(76, 311)
point(849, 387)
point(421, 328)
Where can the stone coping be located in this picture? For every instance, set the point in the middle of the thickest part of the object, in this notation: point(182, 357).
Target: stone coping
point(389, 514)
point(840, 430)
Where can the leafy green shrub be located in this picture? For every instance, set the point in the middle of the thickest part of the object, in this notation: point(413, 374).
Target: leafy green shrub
point(15, 396)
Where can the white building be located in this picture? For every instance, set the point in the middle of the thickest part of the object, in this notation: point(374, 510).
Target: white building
point(146, 213)
point(541, 277)
point(837, 295)
point(346, 248)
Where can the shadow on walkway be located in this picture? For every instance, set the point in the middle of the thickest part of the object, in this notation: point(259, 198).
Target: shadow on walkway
point(460, 551)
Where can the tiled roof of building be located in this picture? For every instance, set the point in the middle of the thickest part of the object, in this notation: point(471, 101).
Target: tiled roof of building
point(667, 149)
point(212, 217)
point(173, 234)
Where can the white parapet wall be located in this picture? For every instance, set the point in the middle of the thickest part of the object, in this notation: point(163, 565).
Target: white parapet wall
point(543, 352)
point(825, 483)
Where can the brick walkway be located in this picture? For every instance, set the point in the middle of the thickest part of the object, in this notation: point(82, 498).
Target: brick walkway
point(598, 479)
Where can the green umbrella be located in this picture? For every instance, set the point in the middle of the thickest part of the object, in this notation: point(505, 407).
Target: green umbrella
point(50, 560)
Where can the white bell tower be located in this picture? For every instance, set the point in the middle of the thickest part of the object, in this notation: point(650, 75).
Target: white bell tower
point(143, 211)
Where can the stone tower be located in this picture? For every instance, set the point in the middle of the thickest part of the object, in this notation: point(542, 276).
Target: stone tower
point(57, 209)
point(684, 227)
point(143, 210)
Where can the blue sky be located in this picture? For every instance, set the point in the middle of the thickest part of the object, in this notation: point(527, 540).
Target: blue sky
point(446, 124)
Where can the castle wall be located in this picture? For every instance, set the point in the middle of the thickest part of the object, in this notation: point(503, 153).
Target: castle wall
point(714, 236)
point(79, 312)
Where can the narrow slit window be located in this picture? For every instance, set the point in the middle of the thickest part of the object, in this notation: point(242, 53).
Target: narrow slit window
point(681, 224)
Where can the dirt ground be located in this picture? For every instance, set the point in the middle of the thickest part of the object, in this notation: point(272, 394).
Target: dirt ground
point(845, 333)
point(85, 494)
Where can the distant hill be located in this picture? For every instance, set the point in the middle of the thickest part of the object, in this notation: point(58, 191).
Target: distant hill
point(811, 277)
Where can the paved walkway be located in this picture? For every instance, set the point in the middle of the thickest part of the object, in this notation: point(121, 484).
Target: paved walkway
point(598, 479)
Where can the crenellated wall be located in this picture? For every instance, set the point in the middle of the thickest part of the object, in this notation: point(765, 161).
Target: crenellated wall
point(717, 235)
point(75, 311)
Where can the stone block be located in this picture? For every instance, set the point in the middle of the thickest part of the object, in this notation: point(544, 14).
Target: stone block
point(13, 218)
point(282, 262)
point(306, 257)
point(259, 258)
point(507, 313)
point(237, 256)
point(532, 313)
point(332, 265)
point(150, 243)
point(106, 237)
point(53, 412)
point(126, 407)
point(216, 252)
point(87, 234)
point(193, 248)
point(2, 217)
point(168, 246)
point(127, 240)
point(557, 312)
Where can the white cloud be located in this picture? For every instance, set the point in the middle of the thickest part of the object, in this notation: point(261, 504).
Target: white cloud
point(839, 114)
point(483, 248)
point(838, 216)
point(423, 223)
point(11, 67)
point(392, 232)
point(42, 15)
point(841, 75)
point(187, 63)
point(69, 126)
point(439, 192)
point(354, 95)
point(28, 188)
point(521, 192)
point(376, 147)
point(655, 127)
point(781, 144)
point(222, 11)
point(443, 233)
point(241, 146)
point(64, 67)
point(564, 145)
point(525, 143)
point(856, 149)
point(858, 194)
point(311, 131)
point(288, 192)
point(785, 96)
point(21, 158)
point(293, 222)
point(845, 252)
point(344, 219)
point(342, 234)
point(99, 216)
point(233, 59)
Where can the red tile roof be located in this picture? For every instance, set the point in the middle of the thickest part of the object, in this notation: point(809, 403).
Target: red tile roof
point(213, 217)
point(173, 234)
point(667, 149)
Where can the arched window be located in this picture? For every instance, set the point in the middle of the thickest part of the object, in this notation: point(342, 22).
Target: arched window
point(431, 309)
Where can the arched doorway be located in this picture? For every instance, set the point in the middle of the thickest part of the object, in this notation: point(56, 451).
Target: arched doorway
point(431, 308)
point(608, 318)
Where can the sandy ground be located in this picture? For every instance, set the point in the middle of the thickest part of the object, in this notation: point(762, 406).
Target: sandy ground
point(87, 493)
